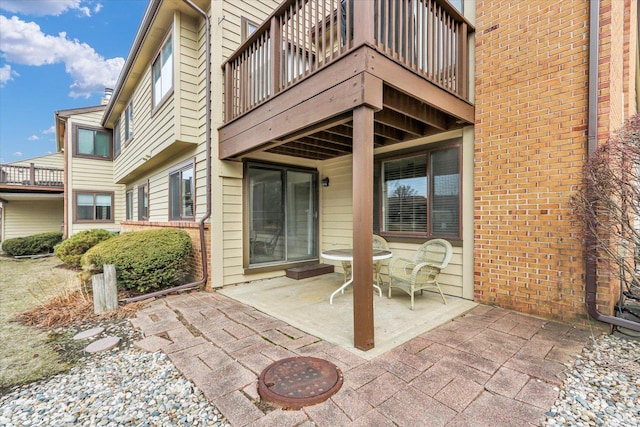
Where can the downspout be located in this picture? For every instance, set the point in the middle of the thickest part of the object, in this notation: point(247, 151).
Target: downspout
point(592, 144)
point(207, 215)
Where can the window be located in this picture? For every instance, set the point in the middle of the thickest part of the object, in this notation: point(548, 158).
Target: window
point(116, 140)
point(94, 206)
point(181, 194)
point(163, 71)
point(282, 214)
point(420, 194)
point(143, 202)
point(128, 122)
point(92, 142)
point(129, 203)
point(247, 28)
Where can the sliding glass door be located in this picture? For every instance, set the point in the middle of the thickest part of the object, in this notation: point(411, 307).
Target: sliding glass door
point(282, 213)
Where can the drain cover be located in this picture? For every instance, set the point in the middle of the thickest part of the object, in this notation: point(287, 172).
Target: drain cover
point(299, 381)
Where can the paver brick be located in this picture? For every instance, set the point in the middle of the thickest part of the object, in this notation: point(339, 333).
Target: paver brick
point(507, 382)
point(381, 388)
point(239, 410)
point(351, 402)
point(410, 407)
point(327, 414)
point(539, 393)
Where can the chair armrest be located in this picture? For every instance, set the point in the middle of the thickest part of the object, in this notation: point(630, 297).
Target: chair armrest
point(401, 267)
point(428, 269)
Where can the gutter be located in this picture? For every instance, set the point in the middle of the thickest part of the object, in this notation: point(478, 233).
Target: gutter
point(592, 143)
point(207, 215)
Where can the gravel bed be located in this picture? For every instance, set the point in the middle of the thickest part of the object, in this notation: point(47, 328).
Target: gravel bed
point(123, 386)
point(602, 387)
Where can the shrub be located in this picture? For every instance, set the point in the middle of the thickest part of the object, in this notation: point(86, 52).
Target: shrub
point(144, 260)
point(71, 250)
point(32, 245)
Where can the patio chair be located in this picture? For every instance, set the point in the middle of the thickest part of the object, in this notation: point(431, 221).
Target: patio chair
point(421, 272)
point(378, 243)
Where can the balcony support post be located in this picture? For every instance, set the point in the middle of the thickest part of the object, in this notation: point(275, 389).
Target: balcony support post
point(363, 324)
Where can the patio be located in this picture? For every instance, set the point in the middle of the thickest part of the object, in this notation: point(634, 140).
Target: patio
point(489, 367)
point(304, 304)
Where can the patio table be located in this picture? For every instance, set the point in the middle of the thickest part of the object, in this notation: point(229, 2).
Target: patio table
point(346, 255)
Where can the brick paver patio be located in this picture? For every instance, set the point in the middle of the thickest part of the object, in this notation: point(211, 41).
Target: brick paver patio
point(491, 367)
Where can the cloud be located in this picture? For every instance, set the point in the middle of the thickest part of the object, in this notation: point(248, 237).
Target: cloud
point(24, 43)
point(45, 7)
point(7, 74)
point(52, 129)
point(18, 154)
point(33, 138)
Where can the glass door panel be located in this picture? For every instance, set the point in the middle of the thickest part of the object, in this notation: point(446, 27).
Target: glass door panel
point(266, 216)
point(301, 212)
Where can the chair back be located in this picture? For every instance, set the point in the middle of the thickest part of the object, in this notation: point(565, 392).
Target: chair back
point(380, 243)
point(437, 252)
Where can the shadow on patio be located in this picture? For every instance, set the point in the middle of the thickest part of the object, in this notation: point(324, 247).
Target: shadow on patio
point(304, 304)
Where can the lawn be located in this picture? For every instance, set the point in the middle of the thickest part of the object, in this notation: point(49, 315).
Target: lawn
point(27, 353)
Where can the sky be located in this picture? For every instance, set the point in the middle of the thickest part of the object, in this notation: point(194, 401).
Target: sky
point(56, 55)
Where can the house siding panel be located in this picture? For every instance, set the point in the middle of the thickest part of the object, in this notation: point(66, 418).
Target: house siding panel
point(55, 161)
point(89, 175)
point(26, 217)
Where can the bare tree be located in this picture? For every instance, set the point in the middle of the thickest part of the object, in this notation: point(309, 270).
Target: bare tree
point(608, 204)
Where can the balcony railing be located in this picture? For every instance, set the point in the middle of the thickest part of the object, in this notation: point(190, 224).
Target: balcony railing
point(303, 36)
point(31, 176)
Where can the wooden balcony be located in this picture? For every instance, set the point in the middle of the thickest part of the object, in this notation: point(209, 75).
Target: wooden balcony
point(22, 179)
point(292, 87)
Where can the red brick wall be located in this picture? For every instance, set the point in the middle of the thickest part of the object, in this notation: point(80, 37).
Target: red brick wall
point(530, 145)
point(192, 228)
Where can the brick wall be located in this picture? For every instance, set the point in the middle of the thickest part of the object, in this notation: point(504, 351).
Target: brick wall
point(530, 145)
point(192, 229)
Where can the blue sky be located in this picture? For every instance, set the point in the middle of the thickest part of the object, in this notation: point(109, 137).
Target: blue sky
point(55, 55)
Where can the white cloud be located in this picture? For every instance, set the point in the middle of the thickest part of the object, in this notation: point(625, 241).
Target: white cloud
point(7, 74)
point(24, 43)
point(33, 138)
point(44, 7)
point(52, 129)
point(18, 154)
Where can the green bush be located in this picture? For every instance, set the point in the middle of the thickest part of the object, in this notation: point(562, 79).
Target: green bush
point(71, 250)
point(144, 260)
point(32, 245)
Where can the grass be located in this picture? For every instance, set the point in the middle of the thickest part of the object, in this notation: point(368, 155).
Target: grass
point(26, 284)
point(39, 301)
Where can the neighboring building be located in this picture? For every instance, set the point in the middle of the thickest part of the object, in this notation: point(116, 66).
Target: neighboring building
point(468, 121)
point(31, 196)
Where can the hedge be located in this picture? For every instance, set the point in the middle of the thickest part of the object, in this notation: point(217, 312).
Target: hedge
point(144, 260)
point(71, 250)
point(32, 245)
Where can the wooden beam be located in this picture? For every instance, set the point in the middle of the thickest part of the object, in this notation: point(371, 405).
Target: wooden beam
point(408, 82)
point(362, 89)
point(399, 121)
point(341, 98)
point(363, 323)
point(409, 106)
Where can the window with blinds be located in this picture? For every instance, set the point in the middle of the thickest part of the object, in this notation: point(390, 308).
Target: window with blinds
point(420, 194)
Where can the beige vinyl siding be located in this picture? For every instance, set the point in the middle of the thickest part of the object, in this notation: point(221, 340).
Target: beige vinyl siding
point(179, 120)
point(256, 11)
point(32, 216)
point(336, 222)
point(90, 175)
point(55, 161)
